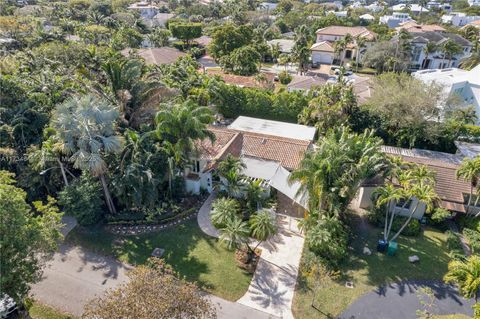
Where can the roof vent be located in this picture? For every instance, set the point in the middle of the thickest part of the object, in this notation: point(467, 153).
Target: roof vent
point(264, 141)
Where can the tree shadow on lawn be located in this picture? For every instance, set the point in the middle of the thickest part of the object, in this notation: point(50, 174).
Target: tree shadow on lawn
point(190, 252)
point(379, 269)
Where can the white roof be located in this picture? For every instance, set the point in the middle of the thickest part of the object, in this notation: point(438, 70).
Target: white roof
point(414, 7)
point(367, 16)
point(273, 128)
point(450, 76)
point(259, 168)
point(280, 182)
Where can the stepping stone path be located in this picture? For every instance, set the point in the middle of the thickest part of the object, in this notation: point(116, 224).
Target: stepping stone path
point(143, 229)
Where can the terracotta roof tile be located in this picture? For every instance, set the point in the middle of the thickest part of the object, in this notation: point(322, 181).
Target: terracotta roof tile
point(343, 31)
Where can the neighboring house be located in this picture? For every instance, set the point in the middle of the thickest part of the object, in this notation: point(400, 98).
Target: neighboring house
point(475, 24)
point(437, 59)
point(367, 17)
point(323, 51)
point(456, 82)
point(155, 56)
point(374, 7)
point(339, 14)
point(306, 83)
point(414, 27)
point(286, 45)
point(203, 41)
point(396, 19)
point(269, 149)
point(158, 20)
point(474, 2)
point(414, 8)
point(146, 9)
point(452, 192)
point(458, 19)
point(432, 5)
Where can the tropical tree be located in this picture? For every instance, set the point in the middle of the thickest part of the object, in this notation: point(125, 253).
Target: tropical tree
point(469, 170)
point(223, 210)
point(85, 126)
point(28, 237)
point(254, 195)
point(332, 174)
point(153, 291)
point(301, 48)
point(229, 170)
point(466, 274)
point(235, 233)
point(387, 196)
point(360, 43)
point(428, 49)
point(137, 91)
point(183, 125)
point(263, 226)
point(472, 61)
point(450, 49)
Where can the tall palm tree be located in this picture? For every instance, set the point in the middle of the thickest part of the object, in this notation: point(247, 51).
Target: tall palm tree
point(263, 226)
point(450, 49)
point(427, 50)
point(86, 128)
point(385, 196)
point(183, 125)
point(472, 61)
point(466, 274)
point(338, 47)
point(360, 43)
point(469, 170)
point(424, 194)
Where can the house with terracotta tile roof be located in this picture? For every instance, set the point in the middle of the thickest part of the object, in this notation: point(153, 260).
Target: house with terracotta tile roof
point(270, 150)
point(452, 192)
point(323, 51)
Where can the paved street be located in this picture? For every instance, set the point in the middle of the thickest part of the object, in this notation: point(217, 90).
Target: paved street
point(400, 301)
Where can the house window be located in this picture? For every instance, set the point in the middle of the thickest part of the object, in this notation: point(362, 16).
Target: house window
point(196, 166)
point(401, 202)
point(416, 53)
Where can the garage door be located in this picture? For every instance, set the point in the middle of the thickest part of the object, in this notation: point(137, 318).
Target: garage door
point(322, 57)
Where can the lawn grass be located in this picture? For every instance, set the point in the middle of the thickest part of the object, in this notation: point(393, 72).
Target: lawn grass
point(367, 272)
point(193, 254)
point(41, 311)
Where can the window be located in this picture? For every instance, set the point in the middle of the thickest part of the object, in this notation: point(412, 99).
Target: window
point(196, 166)
point(401, 202)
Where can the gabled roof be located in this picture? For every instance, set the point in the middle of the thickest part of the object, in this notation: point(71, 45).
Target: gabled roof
point(324, 46)
point(306, 82)
point(440, 37)
point(414, 27)
point(445, 165)
point(157, 56)
point(343, 31)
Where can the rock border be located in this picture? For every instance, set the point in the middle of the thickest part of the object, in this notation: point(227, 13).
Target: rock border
point(129, 230)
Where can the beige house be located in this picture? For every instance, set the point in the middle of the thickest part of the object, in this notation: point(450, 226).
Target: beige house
point(323, 51)
point(452, 192)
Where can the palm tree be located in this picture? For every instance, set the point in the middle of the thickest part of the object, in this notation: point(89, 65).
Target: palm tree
point(263, 226)
point(183, 125)
point(450, 49)
point(235, 233)
point(385, 196)
point(466, 274)
point(424, 194)
point(223, 210)
point(254, 194)
point(137, 91)
point(403, 43)
point(469, 170)
point(427, 50)
point(230, 163)
point(338, 47)
point(276, 51)
point(86, 128)
point(360, 43)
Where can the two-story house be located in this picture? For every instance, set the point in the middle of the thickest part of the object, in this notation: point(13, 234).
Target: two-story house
point(458, 19)
point(323, 51)
point(395, 19)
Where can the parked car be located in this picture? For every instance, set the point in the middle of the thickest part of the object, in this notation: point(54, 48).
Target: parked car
point(8, 307)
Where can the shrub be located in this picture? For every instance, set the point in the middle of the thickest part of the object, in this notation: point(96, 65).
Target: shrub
point(440, 215)
point(82, 199)
point(454, 245)
point(473, 238)
point(223, 210)
point(284, 77)
point(328, 240)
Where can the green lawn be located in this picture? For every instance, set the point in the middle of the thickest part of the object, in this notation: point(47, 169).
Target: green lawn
point(41, 311)
point(367, 272)
point(194, 255)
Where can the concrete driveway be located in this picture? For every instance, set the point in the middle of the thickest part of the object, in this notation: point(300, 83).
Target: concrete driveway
point(400, 301)
point(74, 276)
